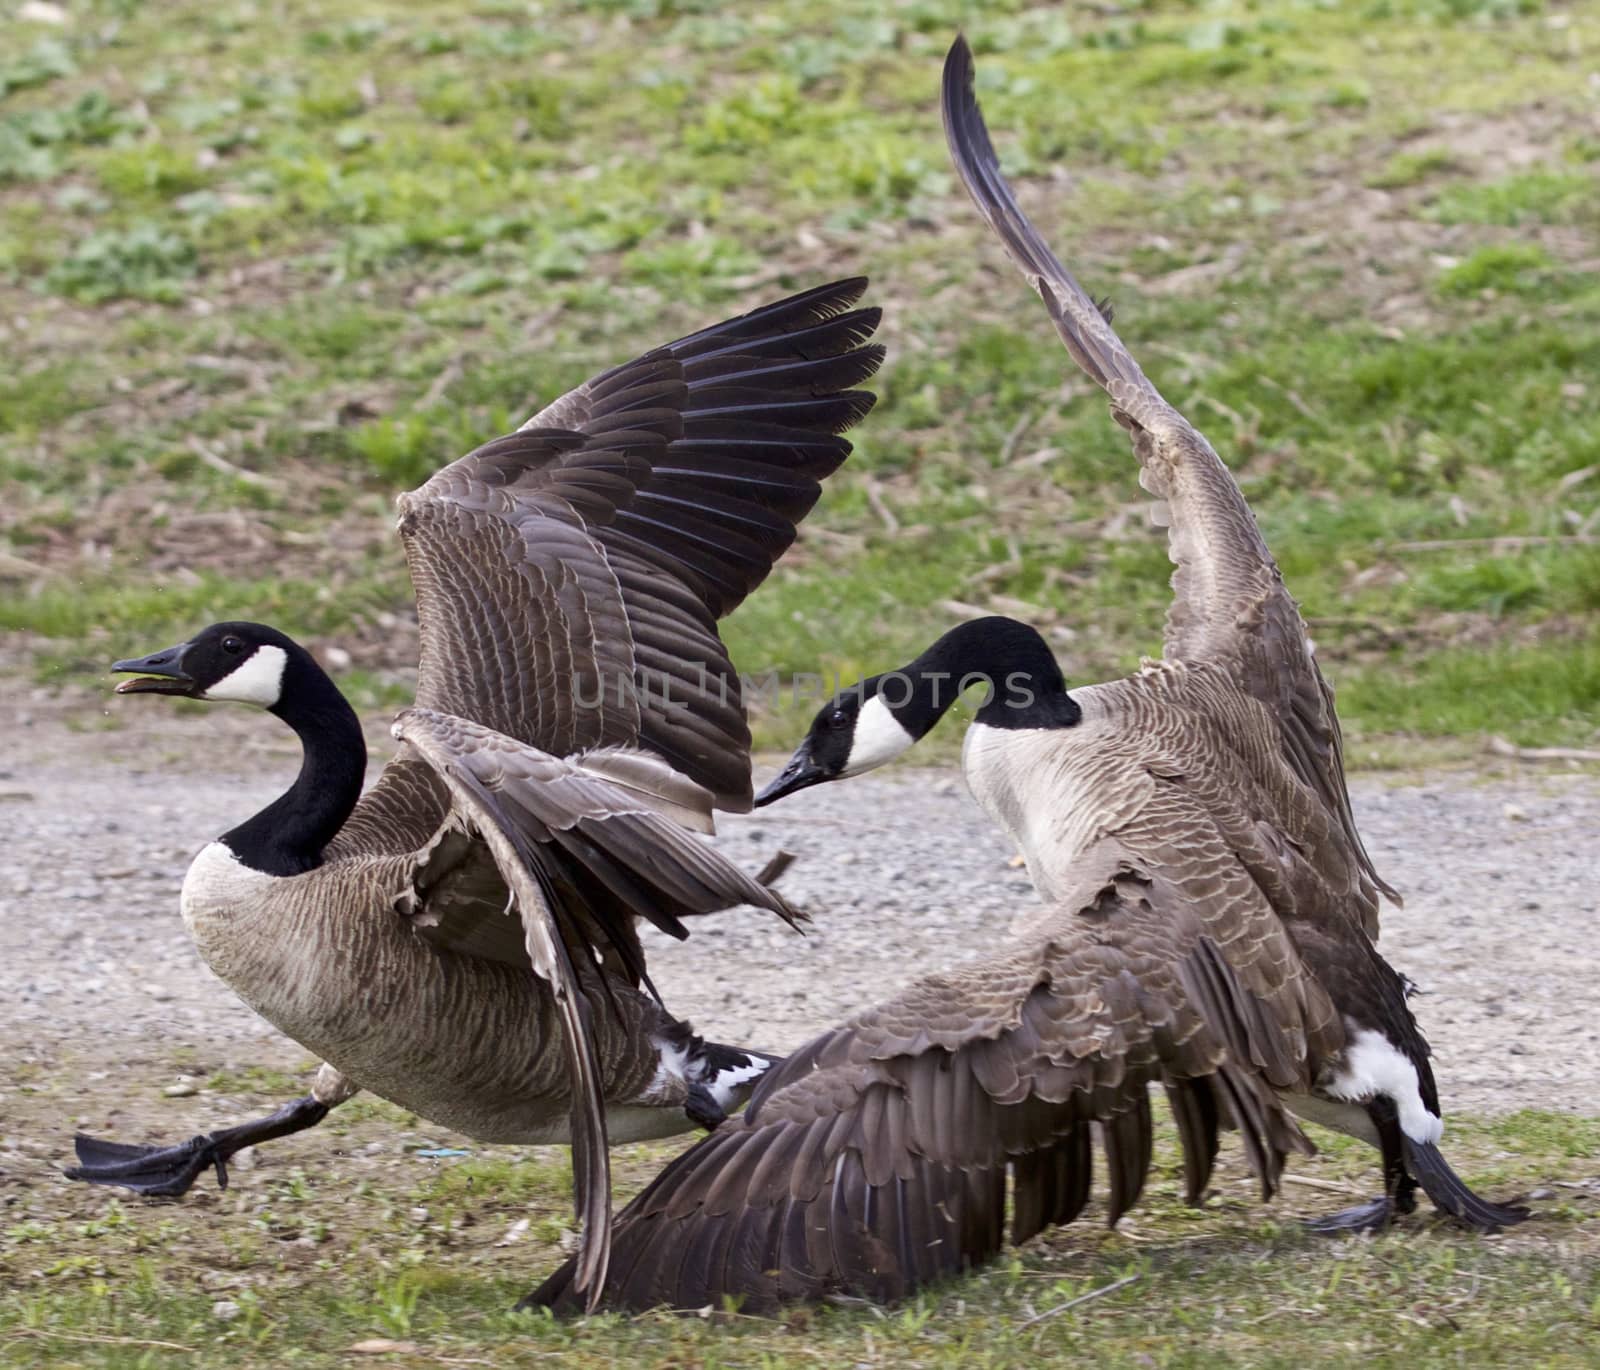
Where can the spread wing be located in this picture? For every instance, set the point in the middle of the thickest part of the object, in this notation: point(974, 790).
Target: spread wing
point(1230, 607)
point(579, 857)
point(569, 576)
point(874, 1160)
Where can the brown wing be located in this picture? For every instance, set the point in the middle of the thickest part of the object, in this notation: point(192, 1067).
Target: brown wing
point(569, 577)
point(1230, 607)
point(875, 1159)
point(580, 858)
point(609, 842)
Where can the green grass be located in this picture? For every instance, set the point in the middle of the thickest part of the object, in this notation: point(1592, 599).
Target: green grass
point(337, 245)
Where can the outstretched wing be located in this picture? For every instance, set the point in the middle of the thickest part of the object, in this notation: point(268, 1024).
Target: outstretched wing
point(874, 1160)
point(569, 576)
point(1230, 608)
point(580, 856)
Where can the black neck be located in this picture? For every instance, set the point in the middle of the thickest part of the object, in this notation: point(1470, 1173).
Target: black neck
point(288, 836)
point(1025, 685)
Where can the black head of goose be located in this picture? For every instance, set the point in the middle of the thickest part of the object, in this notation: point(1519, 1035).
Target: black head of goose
point(462, 938)
point(250, 663)
point(1208, 923)
point(1006, 666)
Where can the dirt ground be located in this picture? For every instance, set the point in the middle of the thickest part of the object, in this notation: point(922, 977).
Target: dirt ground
point(105, 800)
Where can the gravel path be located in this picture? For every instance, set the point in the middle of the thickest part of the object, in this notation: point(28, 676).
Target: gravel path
point(902, 872)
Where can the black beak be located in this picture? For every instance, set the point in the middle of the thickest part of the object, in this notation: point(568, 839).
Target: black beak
point(800, 773)
point(160, 673)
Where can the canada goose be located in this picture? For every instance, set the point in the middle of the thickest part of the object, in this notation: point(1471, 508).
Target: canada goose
point(1208, 920)
point(576, 713)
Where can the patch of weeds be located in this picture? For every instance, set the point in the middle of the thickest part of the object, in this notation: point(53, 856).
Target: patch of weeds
point(328, 330)
point(149, 172)
point(450, 99)
point(1528, 197)
point(1512, 268)
point(35, 399)
point(1536, 1132)
point(144, 262)
point(1537, 694)
point(331, 104)
point(47, 60)
point(253, 1080)
point(766, 111)
point(22, 158)
point(368, 690)
point(407, 449)
point(1412, 168)
point(502, 1181)
point(676, 265)
point(30, 140)
point(1350, 94)
point(885, 175)
point(353, 35)
point(91, 614)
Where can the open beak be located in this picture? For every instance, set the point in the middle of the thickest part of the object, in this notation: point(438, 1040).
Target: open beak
point(160, 673)
point(800, 773)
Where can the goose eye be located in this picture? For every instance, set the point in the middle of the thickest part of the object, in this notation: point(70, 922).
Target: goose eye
point(232, 645)
point(838, 719)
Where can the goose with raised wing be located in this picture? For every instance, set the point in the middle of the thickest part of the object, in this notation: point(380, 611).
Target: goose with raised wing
point(1208, 921)
point(461, 939)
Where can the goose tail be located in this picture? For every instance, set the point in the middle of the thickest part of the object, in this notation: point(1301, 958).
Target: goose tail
point(1451, 1195)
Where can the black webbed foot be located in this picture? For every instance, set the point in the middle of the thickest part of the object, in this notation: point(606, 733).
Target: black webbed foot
point(169, 1171)
point(159, 1171)
point(703, 1108)
point(1368, 1217)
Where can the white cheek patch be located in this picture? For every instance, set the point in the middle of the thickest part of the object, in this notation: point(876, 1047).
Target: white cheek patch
point(878, 738)
point(258, 679)
point(1372, 1065)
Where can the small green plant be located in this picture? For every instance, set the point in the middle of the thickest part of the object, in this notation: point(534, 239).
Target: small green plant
point(1412, 168)
point(45, 61)
point(149, 173)
point(407, 449)
point(1528, 197)
point(1515, 268)
point(144, 262)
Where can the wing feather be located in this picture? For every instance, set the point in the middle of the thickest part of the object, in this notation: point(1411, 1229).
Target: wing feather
point(582, 853)
point(548, 955)
point(880, 1151)
point(613, 530)
point(1230, 607)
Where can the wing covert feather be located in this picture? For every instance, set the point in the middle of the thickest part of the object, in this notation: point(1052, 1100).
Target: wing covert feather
point(548, 955)
point(874, 1159)
point(581, 857)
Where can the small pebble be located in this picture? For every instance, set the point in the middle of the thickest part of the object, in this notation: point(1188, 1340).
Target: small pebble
point(182, 1090)
point(225, 1310)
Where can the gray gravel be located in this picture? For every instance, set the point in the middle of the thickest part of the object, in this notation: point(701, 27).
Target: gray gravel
point(901, 871)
